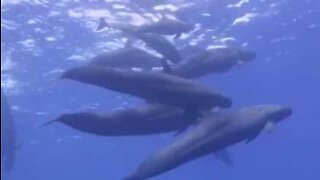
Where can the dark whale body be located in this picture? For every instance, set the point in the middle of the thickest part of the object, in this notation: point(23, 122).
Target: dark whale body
point(154, 41)
point(147, 119)
point(153, 86)
point(214, 133)
point(214, 61)
point(166, 27)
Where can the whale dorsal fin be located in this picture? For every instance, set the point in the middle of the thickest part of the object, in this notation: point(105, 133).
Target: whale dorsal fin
point(177, 36)
point(102, 24)
point(166, 67)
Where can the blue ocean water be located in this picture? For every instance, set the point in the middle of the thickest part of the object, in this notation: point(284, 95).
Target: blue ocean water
point(41, 38)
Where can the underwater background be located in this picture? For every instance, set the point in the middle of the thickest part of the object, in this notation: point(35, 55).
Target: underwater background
point(41, 38)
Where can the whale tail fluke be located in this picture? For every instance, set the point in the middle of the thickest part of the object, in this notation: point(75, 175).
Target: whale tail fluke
point(102, 24)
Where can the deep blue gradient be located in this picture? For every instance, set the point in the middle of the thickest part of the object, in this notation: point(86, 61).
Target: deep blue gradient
point(286, 72)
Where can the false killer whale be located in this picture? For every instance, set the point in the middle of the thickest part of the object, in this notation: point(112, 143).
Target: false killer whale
point(213, 134)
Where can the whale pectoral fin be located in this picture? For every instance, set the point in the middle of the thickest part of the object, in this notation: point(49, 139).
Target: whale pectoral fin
point(102, 24)
point(270, 127)
point(224, 156)
point(177, 36)
point(47, 123)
